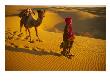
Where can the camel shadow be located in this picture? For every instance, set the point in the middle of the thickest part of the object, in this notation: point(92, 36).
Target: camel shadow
point(39, 52)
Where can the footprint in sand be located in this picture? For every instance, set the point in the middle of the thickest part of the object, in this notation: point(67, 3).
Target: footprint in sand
point(39, 40)
point(26, 37)
point(10, 37)
point(12, 44)
point(19, 35)
point(14, 33)
point(15, 46)
point(10, 33)
point(31, 41)
point(17, 38)
point(25, 46)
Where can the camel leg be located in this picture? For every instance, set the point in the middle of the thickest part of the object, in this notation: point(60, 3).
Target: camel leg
point(26, 30)
point(27, 36)
point(26, 33)
point(21, 25)
point(69, 50)
point(29, 33)
point(37, 34)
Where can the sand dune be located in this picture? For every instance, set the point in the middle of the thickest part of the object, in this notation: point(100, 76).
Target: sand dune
point(80, 14)
point(50, 20)
point(83, 22)
point(89, 53)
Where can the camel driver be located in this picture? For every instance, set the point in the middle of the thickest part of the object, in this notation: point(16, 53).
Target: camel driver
point(29, 11)
point(68, 37)
point(24, 15)
point(26, 12)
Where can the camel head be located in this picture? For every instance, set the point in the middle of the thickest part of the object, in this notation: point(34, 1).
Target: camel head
point(41, 13)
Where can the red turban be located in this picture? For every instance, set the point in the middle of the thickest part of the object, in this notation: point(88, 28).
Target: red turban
point(68, 20)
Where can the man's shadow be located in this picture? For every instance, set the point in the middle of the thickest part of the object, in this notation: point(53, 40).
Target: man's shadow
point(39, 52)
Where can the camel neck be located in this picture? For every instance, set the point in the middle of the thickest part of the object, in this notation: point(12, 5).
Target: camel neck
point(39, 21)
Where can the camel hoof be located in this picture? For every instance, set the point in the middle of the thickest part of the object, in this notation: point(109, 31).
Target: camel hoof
point(14, 32)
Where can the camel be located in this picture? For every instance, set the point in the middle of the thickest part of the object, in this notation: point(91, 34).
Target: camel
point(29, 22)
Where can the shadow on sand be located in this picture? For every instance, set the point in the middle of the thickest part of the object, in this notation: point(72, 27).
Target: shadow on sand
point(39, 52)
